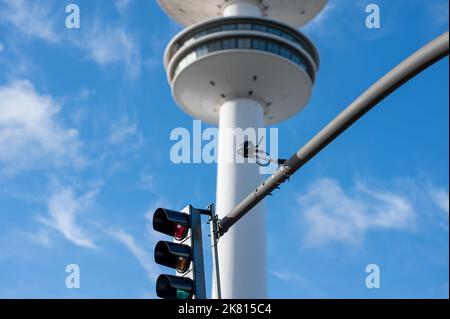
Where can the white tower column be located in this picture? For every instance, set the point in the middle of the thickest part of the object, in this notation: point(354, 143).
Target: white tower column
point(266, 78)
point(242, 251)
point(242, 8)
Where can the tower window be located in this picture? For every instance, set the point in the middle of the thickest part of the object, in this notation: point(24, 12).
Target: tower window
point(244, 43)
point(229, 44)
point(259, 44)
point(285, 53)
point(273, 47)
point(214, 46)
point(202, 51)
point(242, 26)
point(260, 28)
point(229, 27)
point(274, 31)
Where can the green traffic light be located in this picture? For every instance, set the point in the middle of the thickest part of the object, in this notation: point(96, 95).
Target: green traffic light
point(174, 287)
point(182, 294)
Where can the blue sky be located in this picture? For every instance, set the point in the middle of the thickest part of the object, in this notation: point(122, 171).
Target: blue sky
point(85, 123)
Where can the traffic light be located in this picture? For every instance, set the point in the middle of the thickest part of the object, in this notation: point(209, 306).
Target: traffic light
point(184, 253)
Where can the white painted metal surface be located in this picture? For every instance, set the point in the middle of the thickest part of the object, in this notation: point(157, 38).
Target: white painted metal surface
point(281, 87)
point(248, 9)
point(242, 252)
point(294, 12)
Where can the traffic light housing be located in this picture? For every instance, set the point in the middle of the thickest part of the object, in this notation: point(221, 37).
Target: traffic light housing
point(174, 287)
point(171, 223)
point(184, 254)
point(173, 255)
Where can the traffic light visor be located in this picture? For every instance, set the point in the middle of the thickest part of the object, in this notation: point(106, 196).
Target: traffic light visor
point(173, 255)
point(172, 287)
point(175, 224)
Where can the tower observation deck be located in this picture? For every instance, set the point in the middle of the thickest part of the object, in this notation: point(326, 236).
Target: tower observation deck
point(241, 64)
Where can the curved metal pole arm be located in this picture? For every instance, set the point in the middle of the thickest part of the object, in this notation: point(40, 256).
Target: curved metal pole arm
point(408, 69)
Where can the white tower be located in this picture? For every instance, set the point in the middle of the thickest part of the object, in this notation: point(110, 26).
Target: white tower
point(241, 64)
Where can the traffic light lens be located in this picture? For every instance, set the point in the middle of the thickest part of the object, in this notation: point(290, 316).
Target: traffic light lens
point(181, 294)
point(180, 231)
point(182, 264)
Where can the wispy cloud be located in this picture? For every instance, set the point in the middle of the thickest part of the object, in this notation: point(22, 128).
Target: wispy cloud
point(122, 5)
point(147, 181)
point(440, 197)
point(40, 237)
point(64, 207)
point(122, 130)
point(110, 45)
point(142, 254)
point(330, 213)
point(31, 136)
point(299, 281)
point(102, 43)
point(32, 18)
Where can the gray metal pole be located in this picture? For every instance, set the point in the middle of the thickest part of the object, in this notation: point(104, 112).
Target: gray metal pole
point(214, 227)
point(408, 69)
point(198, 275)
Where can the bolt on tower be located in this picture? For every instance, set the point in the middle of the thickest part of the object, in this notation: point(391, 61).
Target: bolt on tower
point(241, 64)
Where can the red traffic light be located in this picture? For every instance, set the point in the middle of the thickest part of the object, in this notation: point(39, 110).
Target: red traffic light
point(171, 223)
point(180, 231)
point(184, 253)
